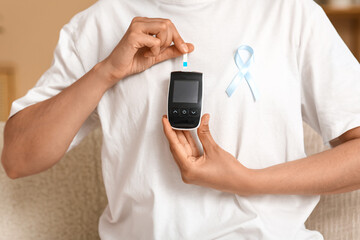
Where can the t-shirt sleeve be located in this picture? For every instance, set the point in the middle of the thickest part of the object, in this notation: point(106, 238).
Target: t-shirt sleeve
point(330, 78)
point(65, 70)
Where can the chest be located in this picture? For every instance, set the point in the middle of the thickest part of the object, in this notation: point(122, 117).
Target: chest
point(216, 39)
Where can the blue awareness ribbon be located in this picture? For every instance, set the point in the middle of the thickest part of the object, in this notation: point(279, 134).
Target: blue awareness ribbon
point(244, 72)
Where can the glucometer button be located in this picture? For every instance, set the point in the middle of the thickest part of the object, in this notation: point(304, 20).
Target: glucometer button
point(175, 111)
point(184, 112)
point(194, 112)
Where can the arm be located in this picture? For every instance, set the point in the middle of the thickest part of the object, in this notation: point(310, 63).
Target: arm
point(38, 136)
point(332, 171)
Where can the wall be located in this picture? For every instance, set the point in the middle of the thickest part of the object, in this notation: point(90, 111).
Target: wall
point(349, 30)
point(30, 30)
point(347, 21)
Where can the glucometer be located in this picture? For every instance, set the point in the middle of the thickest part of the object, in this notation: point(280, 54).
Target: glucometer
point(185, 99)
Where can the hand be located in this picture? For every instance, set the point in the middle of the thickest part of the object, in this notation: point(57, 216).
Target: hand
point(139, 49)
point(216, 168)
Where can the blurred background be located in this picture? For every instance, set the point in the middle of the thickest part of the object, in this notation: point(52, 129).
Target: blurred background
point(29, 32)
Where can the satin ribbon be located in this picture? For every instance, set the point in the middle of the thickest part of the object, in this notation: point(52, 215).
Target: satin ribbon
point(244, 72)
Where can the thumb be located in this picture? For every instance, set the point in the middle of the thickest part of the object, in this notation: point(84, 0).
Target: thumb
point(172, 52)
point(204, 134)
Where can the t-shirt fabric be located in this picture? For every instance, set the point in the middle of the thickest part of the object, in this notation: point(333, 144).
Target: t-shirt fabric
point(303, 72)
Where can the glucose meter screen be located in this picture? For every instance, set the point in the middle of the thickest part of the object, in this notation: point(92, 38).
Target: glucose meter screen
point(186, 91)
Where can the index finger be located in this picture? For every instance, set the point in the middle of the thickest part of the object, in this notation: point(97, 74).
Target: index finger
point(178, 41)
point(176, 38)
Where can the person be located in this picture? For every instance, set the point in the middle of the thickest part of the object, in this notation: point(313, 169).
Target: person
point(244, 173)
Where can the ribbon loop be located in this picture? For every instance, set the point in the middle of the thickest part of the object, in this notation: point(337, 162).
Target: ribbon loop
point(244, 72)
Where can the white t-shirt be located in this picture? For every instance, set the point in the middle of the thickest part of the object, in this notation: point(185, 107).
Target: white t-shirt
point(303, 71)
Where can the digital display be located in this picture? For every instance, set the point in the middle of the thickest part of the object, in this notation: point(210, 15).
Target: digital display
point(186, 91)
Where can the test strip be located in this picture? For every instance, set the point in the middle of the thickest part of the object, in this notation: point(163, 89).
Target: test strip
point(185, 60)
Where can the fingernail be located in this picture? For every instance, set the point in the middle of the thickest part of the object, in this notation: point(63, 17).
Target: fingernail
point(185, 47)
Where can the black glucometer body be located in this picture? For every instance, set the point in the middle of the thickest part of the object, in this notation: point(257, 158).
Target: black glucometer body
point(185, 100)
